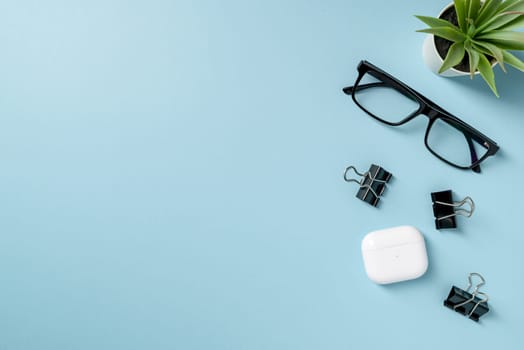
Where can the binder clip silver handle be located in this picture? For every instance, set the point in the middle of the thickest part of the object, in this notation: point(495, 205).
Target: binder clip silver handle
point(348, 179)
point(474, 294)
point(362, 183)
point(459, 211)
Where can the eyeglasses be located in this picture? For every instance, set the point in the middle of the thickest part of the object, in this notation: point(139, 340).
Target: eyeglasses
point(392, 102)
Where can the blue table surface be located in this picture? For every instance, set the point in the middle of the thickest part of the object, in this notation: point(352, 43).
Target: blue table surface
point(172, 179)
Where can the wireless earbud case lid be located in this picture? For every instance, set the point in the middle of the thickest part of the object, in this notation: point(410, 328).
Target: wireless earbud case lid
point(394, 254)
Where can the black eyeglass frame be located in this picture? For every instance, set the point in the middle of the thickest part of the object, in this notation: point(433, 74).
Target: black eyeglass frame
point(427, 108)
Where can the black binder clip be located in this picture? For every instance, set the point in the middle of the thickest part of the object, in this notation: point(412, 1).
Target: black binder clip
point(372, 183)
point(445, 210)
point(466, 303)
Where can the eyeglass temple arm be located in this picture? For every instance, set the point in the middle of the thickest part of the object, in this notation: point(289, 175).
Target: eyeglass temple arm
point(349, 90)
point(473, 153)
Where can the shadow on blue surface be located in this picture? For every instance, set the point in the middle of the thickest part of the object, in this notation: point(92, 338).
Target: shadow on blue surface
point(509, 84)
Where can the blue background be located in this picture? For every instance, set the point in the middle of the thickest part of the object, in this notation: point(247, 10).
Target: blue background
point(172, 179)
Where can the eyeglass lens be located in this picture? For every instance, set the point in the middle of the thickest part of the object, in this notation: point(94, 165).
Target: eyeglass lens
point(382, 100)
point(450, 143)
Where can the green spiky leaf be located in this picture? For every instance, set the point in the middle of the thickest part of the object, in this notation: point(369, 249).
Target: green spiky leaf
point(514, 61)
point(512, 6)
point(473, 60)
point(437, 22)
point(516, 23)
point(487, 73)
point(461, 10)
point(498, 22)
point(455, 54)
point(504, 39)
point(446, 33)
point(504, 6)
point(473, 10)
point(493, 51)
point(480, 49)
point(488, 10)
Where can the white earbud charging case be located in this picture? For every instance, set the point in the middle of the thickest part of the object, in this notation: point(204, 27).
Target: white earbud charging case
point(394, 255)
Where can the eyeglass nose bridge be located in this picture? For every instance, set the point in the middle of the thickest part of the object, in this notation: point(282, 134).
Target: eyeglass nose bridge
point(430, 112)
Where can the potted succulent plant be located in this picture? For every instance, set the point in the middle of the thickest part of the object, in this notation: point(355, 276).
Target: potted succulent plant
point(472, 36)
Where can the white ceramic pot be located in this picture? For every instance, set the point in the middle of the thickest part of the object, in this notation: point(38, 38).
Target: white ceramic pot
point(432, 58)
